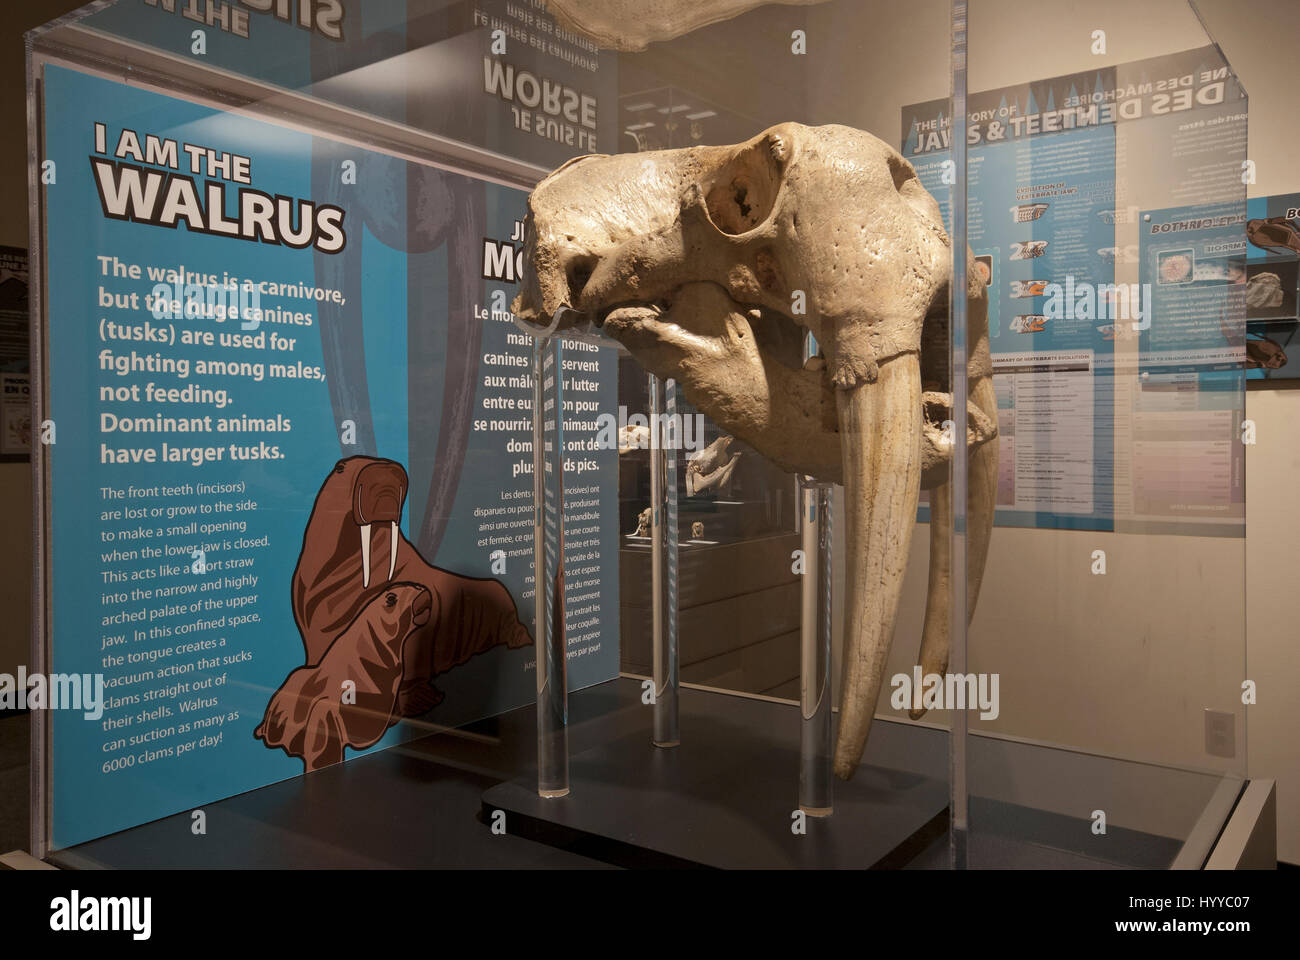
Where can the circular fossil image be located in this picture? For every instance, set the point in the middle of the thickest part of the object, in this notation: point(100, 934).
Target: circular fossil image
point(1176, 267)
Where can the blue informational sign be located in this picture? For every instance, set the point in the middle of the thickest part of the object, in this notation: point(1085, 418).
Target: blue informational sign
point(1193, 260)
point(1054, 168)
point(291, 488)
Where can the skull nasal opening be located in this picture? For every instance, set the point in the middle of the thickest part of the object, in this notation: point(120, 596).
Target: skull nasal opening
point(577, 271)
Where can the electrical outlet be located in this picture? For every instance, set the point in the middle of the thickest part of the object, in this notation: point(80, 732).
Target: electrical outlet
point(1220, 734)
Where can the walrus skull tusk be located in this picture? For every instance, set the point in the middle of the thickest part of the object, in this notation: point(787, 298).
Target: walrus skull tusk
point(712, 264)
point(882, 472)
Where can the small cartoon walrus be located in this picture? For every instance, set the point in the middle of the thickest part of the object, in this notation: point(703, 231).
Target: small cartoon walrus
point(353, 552)
point(348, 699)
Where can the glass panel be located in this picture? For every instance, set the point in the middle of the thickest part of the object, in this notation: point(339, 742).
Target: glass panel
point(1107, 200)
point(426, 122)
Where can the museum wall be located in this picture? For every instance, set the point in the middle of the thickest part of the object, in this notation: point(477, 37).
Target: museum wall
point(1057, 634)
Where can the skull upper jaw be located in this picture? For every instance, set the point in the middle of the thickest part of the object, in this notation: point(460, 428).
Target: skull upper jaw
point(743, 368)
point(605, 232)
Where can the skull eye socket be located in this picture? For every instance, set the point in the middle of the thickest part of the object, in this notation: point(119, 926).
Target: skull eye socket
point(741, 195)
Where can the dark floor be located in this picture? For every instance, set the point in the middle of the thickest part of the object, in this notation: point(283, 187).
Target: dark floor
point(14, 788)
point(419, 804)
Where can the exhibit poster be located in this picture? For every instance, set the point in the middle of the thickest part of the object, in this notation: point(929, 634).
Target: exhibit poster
point(1189, 458)
point(289, 450)
point(1272, 278)
point(15, 354)
point(1076, 319)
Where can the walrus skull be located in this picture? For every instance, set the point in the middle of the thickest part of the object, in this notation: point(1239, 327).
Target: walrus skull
point(712, 467)
point(710, 263)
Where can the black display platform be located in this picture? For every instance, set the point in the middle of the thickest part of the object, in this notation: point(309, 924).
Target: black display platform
point(725, 797)
point(417, 805)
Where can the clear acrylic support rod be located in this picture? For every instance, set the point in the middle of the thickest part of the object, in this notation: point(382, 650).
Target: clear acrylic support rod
point(815, 784)
point(665, 443)
point(548, 571)
point(959, 828)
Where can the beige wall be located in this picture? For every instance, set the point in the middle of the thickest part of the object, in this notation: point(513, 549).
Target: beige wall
point(1273, 603)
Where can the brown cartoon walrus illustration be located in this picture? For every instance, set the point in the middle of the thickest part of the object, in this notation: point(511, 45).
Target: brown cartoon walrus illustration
point(348, 698)
point(354, 552)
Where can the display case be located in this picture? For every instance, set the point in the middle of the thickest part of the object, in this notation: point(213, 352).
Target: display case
point(525, 433)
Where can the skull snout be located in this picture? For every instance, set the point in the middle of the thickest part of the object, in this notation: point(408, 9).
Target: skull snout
point(578, 268)
point(554, 281)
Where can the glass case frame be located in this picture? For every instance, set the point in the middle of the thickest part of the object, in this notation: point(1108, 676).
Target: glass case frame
point(974, 760)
